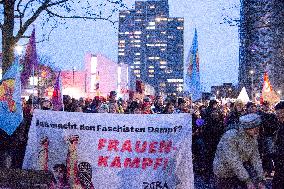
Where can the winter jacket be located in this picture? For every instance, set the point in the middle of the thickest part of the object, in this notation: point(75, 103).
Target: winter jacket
point(234, 149)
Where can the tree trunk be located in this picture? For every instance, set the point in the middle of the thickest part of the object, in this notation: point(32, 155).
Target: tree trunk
point(8, 42)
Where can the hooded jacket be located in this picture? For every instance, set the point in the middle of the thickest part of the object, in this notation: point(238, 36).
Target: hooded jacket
point(234, 149)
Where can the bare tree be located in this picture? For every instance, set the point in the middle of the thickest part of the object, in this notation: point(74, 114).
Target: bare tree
point(17, 16)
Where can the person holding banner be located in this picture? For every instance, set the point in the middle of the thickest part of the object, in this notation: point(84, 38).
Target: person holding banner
point(237, 162)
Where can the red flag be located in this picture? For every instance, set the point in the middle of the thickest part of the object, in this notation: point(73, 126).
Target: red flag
point(268, 94)
point(56, 96)
point(30, 62)
point(140, 87)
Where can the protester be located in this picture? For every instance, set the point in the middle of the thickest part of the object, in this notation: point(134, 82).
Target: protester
point(212, 132)
point(158, 105)
point(267, 134)
point(278, 180)
point(169, 108)
point(237, 162)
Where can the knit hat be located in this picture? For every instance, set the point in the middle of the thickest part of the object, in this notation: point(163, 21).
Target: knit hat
point(250, 121)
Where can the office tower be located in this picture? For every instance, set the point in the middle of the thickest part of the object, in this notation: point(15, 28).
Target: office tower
point(261, 44)
point(151, 43)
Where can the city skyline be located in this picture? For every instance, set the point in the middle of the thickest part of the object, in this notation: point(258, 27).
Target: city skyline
point(151, 43)
point(218, 43)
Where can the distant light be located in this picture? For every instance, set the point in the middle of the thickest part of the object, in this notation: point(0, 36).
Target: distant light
point(251, 72)
point(279, 92)
point(19, 49)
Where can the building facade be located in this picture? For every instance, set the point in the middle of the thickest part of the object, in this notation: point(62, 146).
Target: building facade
point(151, 43)
point(261, 44)
point(100, 76)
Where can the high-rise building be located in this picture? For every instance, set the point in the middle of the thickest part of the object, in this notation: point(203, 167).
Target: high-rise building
point(151, 43)
point(261, 43)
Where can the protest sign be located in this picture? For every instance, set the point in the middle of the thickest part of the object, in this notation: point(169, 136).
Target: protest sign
point(112, 151)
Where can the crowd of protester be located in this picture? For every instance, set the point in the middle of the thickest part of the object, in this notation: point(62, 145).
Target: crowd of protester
point(210, 121)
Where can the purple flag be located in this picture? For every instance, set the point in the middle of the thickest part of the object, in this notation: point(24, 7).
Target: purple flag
point(57, 95)
point(30, 62)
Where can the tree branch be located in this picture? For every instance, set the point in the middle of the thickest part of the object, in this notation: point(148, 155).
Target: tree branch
point(31, 20)
point(57, 3)
point(81, 17)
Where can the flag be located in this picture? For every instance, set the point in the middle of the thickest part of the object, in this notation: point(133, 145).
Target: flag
point(57, 95)
point(30, 62)
point(268, 94)
point(140, 86)
point(191, 72)
point(10, 99)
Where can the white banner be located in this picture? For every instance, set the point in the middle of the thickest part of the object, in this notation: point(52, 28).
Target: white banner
point(112, 151)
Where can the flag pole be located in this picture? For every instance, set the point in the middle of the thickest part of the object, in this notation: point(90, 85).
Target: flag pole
point(33, 86)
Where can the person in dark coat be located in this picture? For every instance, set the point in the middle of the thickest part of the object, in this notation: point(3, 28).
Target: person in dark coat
point(278, 180)
point(267, 133)
point(213, 130)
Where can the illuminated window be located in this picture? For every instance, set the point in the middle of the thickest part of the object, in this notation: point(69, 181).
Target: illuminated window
point(137, 71)
point(120, 50)
point(137, 54)
point(137, 66)
point(136, 62)
point(152, 6)
point(163, 49)
point(151, 75)
point(163, 32)
point(121, 45)
point(126, 32)
point(137, 32)
point(137, 45)
point(137, 41)
point(122, 41)
point(152, 23)
point(122, 16)
point(180, 19)
point(162, 84)
point(137, 36)
point(170, 37)
point(162, 67)
point(121, 54)
point(170, 19)
point(163, 45)
point(174, 80)
point(138, 75)
point(157, 58)
point(151, 66)
point(139, 11)
point(138, 20)
point(151, 71)
point(151, 57)
point(180, 28)
point(150, 27)
point(150, 45)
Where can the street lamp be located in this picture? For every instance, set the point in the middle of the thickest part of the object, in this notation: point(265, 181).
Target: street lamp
point(252, 87)
point(279, 92)
point(19, 49)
